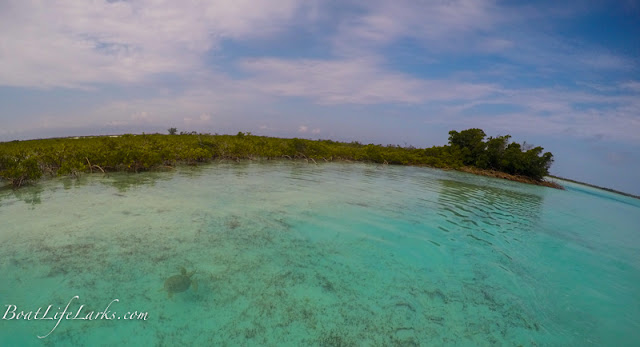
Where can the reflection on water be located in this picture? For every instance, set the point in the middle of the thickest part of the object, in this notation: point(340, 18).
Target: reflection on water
point(124, 181)
point(28, 194)
point(485, 209)
point(328, 254)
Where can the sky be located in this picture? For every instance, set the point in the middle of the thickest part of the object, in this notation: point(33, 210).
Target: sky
point(562, 75)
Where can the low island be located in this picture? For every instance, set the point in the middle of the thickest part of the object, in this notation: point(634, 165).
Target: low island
point(470, 150)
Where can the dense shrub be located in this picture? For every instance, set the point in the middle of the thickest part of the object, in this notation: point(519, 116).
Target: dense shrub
point(500, 155)
point(26, 161)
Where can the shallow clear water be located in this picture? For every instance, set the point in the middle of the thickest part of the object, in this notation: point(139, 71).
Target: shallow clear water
point(288, 253)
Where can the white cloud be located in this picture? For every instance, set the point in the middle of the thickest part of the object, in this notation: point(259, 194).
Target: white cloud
point(494, 45)
point(76, 43)
point(303, 129)
point(556, 111)
point(355, 81)
point(140, 116)
point(201, 120)
point(472, 27)
point(441, 23)
point(604, 61)
point(631, 85)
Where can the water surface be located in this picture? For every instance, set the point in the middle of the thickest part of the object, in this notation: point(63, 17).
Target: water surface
point(338, 254)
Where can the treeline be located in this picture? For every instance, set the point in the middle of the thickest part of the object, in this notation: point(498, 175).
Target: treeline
point(496, 153)
point(27, 161)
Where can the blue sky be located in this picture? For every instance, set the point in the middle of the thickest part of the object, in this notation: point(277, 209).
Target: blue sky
point(563, 75)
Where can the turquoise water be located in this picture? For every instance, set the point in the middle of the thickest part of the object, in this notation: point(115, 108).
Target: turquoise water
point(288, 253)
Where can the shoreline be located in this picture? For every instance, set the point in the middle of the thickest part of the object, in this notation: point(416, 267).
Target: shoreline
point(509, 177)
point(596, 187)
point(23, 162)
point(465, 169)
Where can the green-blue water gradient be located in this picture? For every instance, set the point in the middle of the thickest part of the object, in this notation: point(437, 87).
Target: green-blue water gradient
point(335, 254)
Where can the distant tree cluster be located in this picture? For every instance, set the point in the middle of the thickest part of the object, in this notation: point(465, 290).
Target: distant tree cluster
point(25, 161)
point(496, 153)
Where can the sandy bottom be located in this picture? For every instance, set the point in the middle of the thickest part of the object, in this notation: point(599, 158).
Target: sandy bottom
point(328, 255)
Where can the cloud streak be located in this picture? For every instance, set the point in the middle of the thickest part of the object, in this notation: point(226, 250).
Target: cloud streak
point(354, 81)
point(78, 43)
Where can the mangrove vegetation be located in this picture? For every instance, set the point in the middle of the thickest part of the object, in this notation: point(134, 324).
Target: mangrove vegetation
point(468, 150)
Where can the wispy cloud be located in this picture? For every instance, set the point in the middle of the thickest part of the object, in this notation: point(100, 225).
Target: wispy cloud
point(441, 23)
point(558, 111)
point(73, 44)
point(353, 81)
